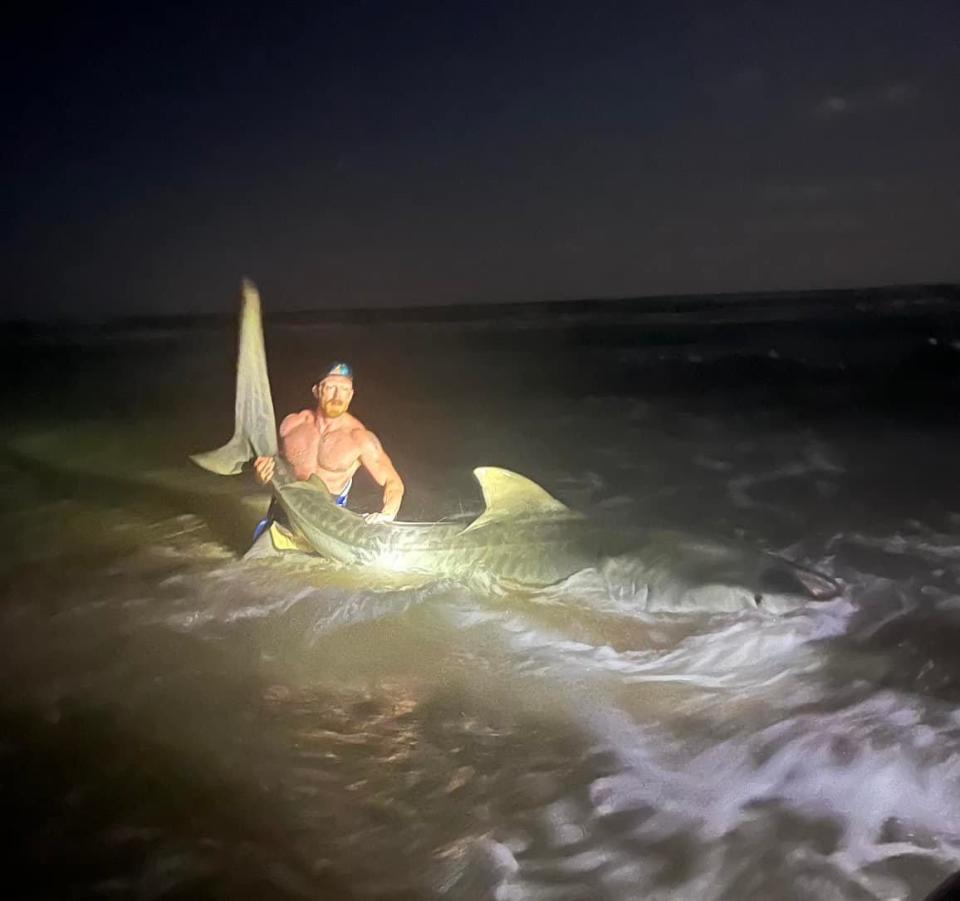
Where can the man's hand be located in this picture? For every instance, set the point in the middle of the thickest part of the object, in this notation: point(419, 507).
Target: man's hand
point(377, 518)
point(264, 467)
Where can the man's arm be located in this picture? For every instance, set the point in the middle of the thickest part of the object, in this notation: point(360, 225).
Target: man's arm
point(291, 421)
point(375, 460)
point(291, 450)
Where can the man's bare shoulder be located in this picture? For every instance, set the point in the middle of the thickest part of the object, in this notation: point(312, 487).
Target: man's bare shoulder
point(366, 441)
point(347, 423)
point(295, 419)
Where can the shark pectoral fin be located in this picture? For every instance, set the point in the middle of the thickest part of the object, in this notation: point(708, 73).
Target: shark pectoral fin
point(508, 494)
point(227, 460)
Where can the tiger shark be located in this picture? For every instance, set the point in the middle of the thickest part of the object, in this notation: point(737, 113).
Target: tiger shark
point(524, 538)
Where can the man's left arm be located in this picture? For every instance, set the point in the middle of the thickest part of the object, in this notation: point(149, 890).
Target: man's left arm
point(376, 461)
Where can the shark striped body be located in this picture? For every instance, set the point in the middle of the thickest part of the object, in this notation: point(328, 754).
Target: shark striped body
point(524, 538)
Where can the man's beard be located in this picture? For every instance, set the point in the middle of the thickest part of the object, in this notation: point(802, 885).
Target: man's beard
point(333, 410)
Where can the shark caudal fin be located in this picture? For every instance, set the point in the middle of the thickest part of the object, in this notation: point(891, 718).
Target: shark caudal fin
point(255, 430)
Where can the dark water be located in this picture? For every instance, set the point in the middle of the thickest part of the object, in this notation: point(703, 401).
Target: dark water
point(176, 723)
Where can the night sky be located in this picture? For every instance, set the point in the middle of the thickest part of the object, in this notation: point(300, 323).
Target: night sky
point(396, 153)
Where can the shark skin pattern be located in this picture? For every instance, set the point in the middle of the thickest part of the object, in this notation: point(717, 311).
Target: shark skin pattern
point(524, 539)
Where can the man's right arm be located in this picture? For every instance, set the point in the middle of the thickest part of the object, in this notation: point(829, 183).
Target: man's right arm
point(264, 467)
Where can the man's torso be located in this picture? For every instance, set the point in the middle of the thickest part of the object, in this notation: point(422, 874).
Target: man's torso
point(332, 454)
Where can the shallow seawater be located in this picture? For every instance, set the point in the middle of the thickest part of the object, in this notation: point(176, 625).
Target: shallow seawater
point(180, 723)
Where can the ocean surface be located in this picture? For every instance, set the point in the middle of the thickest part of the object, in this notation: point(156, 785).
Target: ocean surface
point(178, 723)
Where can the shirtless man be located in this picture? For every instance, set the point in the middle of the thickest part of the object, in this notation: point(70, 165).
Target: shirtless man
point(331, 444)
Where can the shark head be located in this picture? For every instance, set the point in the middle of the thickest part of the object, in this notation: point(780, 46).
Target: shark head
point(763, 581)
point(674, 573)
point(782, 586)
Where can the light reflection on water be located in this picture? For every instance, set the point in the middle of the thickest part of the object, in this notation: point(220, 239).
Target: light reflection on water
point(179, 721)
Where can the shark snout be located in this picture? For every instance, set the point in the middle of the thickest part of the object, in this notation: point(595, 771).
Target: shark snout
point(781, 579)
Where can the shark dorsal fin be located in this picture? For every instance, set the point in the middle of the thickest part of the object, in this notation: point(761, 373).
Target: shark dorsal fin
point(508, 494)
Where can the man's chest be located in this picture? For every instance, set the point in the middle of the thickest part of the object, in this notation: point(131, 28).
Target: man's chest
point(337, 450)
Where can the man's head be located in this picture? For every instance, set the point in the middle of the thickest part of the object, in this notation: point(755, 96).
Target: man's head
point(334, 390)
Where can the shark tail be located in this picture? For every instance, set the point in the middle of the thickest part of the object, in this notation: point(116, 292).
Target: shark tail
point(255, 428)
